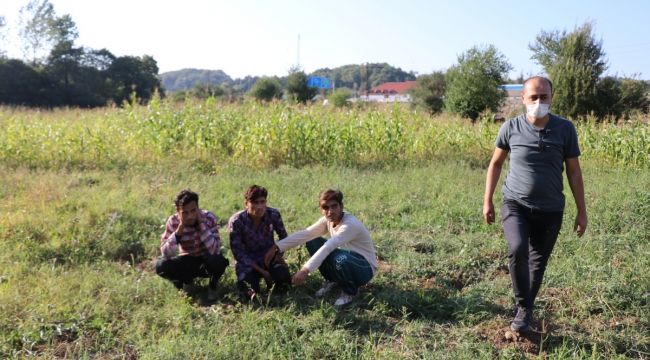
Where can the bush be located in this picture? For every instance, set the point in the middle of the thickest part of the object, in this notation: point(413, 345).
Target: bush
point(339, 97)
point(266, 89)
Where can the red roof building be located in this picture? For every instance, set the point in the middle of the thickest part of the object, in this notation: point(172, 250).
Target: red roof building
point(393, 88)
point(390, 92)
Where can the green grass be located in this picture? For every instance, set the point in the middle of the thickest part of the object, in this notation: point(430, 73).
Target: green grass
point(77, 247)
point(78, 238)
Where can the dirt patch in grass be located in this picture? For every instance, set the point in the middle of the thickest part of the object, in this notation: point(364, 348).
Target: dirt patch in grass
point(499, 271)
point(497, 332)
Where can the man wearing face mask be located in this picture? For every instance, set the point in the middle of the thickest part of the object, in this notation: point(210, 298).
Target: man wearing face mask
point(540, 145)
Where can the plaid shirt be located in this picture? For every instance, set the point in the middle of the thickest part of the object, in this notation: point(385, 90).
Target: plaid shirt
point(195, 241)
point(248, 243)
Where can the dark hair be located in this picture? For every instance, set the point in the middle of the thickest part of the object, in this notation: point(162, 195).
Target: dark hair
point(550, 84)
point(254, 192)
point(186, 196)
point(331, 194)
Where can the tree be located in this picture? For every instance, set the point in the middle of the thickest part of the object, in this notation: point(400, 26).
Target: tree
point(266, 89)
point(98, 59)
point(297, 88)
point(207, 90)
point(608, 96)
point(129, 74)
point(340, 96)
point(634, 95)
point(21, 84)
point(429, 92)
point(64, 59)
point(36, 18)
point(574, 62)
point(473, 84)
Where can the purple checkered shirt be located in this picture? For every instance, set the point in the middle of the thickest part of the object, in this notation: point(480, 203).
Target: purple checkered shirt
point(248, 243)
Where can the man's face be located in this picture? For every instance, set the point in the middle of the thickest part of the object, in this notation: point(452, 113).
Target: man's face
point(189, 214)
point(332, 210)
point(536, 90)
point(257, 207)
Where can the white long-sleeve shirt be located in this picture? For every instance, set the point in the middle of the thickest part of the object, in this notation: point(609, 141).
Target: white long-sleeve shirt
point(349, 234)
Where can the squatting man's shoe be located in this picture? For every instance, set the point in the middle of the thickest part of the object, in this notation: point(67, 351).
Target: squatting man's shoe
point(344, 299)
point(325, 289)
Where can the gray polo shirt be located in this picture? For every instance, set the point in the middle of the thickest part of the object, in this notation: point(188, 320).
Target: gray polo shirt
point(537, 161)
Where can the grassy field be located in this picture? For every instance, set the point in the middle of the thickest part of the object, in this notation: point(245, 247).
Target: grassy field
point(85, 194)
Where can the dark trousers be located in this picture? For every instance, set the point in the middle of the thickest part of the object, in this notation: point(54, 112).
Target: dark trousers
point(279, 273)
point(183, 269)
point(531, 235)
point(347, 268)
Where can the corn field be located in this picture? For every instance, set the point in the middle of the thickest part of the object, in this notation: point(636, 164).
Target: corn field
point(267, 135)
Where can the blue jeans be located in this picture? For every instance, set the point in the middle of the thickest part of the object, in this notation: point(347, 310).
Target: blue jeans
point(531, 235)
point(347, 268)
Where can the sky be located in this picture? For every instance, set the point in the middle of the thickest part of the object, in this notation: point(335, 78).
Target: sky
point(248, 37)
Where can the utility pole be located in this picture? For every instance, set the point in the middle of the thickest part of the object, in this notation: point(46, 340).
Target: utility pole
point(298, 53)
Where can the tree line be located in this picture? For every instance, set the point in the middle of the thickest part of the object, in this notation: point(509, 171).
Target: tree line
point(573, 60)
point(56, 72)
point(204, 83)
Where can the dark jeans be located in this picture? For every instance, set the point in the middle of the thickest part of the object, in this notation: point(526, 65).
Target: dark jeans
point(531, 235)
point(347, 268)
point(279, 273)
point(183, 269)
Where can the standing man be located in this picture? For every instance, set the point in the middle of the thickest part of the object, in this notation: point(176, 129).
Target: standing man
point(191, 246)
point(251, 236)
point(540, 145)
point(347, 259)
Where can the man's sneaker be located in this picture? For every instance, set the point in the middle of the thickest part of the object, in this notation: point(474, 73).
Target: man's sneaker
point(522, 320)
point(344, 299)
point(325, 289)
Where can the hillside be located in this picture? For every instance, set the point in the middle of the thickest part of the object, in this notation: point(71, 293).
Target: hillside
point(350, 76)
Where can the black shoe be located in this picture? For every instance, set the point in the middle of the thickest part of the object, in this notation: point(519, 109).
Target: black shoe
point(214, 283)
point(521, 322)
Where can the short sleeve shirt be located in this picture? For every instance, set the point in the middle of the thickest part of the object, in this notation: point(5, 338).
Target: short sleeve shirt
point(537, 159)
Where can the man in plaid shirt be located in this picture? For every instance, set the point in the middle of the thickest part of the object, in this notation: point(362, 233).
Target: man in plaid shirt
point(191, 246)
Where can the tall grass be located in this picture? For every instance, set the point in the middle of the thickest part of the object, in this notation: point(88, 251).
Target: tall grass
point(269, 135)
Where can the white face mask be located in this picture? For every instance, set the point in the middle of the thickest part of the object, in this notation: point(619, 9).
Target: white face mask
point(537, 110)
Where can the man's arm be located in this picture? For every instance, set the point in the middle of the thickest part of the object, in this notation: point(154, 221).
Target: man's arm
point(298, 238)
point(169, 240)
point(492, 178)
point(346, 234)
point(574, 175)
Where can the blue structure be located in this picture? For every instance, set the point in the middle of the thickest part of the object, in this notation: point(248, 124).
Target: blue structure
point(512, 87)
point(319, 82)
